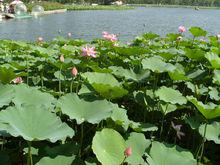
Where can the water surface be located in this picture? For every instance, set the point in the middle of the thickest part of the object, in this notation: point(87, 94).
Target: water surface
point(127, 23)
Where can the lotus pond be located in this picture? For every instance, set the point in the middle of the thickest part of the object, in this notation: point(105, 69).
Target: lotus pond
point(154, 101)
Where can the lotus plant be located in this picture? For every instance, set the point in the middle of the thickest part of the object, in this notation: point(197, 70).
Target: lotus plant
point(128, 152)
point(62, 58)
point(181, 29)
point(17, 80)
point(110, 37)
point(74, 73)
point(177, 129)
point(89, 51)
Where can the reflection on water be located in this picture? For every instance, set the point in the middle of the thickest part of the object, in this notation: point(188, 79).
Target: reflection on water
point(128, 24)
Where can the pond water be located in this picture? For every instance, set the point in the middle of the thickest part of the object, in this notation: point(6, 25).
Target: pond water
point(128, 24)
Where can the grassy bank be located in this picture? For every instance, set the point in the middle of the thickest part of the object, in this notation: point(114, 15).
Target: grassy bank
point(55, 6)
point(173, 6)
point(98, 7)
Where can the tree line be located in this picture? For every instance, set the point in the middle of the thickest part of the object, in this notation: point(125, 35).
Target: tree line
point(159, 2)
point(162, 2)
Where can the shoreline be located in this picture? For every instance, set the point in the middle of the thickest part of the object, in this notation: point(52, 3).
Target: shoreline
point(174, 6)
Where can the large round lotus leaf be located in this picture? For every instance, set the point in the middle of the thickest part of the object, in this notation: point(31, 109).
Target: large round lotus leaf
point(109, 147)
point(216, 77)
point(170, 95)
point(197, 31)
point(59, 160)
point(81, 110)
point(209, 111)
point(130, 74)
point(178, 73)
point(119, 116)
point(6, 95)
point(25, 95)
point(167, 108)
point(138, 144)
point(212, 132)
point(6, 75)
point(34, 123)
point(156, 64)
point(214, 60)
point(105, 84)
point(110, 92)
point(169, 155)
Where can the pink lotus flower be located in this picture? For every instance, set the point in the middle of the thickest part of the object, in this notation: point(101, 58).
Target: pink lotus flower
point(62, 58)
point(181, 29)
point(218, 36)
point(74, 71)
point(69, 34)
point(177, 129)
point(17, 80)
point(110, 37)
point(89, 51)
point(128, 152)
point(40, 39)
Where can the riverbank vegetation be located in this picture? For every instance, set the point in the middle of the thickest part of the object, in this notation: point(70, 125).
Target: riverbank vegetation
point(55, 6)
point(157, 2)
point(154, 101)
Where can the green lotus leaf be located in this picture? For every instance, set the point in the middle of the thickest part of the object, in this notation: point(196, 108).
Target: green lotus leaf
point(162, 154)
point(194, 121)
point(44, 52)
point(170, 53)
point(6, 75)
point(130, 74)
point(69, 49)
point(81, 110)
point(59, 160)
point(105, 84)
point(197, 54)
point(197, 31)
point(178, 73)
point(214, 60)
point(156, 64)
point(110, 92)
point(6, 94)
point(138, 144)
point(216, 77)
point(143, 127)
point(170, 95)
point(34, 123)
point(214, 94)
point(109, 146)
point(129, 51)
point(150, 36)
point(101, 78)
point(212, 132)
point(119, 116)
point(32, 96)
point(167, 108)
point(67, 149)
point(209, 111)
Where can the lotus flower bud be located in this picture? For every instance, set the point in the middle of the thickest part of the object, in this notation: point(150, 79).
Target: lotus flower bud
point(128, 152)
point(62, 58)
point(74, 71)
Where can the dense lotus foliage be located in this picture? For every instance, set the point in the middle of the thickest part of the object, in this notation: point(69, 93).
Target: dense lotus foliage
point(154, 101)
